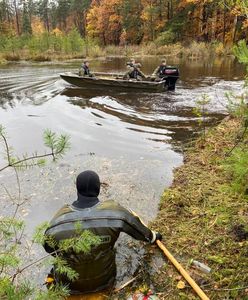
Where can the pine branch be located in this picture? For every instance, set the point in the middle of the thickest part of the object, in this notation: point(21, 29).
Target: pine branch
point(5, 143)
point(58, 146)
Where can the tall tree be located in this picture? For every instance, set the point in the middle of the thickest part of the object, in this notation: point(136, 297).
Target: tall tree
point(26, 24)
point(44, 13)
point(105, 21)
point(79, 10)
point(6, 16)
point(17, 16)
point(132, 26)
point(63, 13)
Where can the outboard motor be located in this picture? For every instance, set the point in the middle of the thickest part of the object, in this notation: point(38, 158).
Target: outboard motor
point(170, 76)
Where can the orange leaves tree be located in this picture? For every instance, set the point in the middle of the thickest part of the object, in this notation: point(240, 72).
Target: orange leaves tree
point(104, 21)
point(219, 20)
point(155, 15)
point(132, 23)
point(129, 21)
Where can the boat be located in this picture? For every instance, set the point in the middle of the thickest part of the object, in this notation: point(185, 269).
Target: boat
point(116, 81)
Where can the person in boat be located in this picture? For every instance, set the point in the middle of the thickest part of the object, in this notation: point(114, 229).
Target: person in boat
point(159, 72)
point(97, 269)
point(85, 70)
point(134, 71)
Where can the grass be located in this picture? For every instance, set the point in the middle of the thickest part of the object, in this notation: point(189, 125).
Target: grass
point(201, 218)
point(192, 50)
point(2, 59)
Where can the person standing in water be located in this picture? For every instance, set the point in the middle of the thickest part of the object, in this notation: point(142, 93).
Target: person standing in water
point(97, 269)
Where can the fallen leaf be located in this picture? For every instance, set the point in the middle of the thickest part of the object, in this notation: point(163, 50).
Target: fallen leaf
point(181, 285)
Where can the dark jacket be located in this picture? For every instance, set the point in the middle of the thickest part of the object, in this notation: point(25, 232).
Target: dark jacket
point(134, 72)
point(85, 71)
point(160, 71)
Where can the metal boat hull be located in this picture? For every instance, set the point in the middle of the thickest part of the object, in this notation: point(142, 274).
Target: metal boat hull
point(98, 82)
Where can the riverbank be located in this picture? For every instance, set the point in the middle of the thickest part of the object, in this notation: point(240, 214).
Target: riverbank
point(193, 50)
point(201, 218)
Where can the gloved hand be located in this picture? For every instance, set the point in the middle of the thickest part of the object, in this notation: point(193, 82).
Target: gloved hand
point(156, 236)
point(159, 236)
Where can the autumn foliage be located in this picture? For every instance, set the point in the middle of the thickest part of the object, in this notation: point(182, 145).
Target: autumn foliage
point(122, 22)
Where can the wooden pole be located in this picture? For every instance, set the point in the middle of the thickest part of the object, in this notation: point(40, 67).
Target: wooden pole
point(181, 270)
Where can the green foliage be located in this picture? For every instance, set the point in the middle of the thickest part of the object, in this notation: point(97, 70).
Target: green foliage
point(201, 112)
point(237, 106)
point(65, 43)
point(9, 260)
point(241, 52)
point(58, 144)
point(38, 236)
point(56, 293)
point(9, 225)
point(12, 229)
point(75, 41)
point(236, 163)
point(166, 37)
point(237, 166)
point(80, 243)
point(9, 291)
point(25, 290)
point(178, 24)
point(26, 24)
point(63, 268)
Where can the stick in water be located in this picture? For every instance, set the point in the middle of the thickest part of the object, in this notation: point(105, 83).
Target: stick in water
point(125, 284)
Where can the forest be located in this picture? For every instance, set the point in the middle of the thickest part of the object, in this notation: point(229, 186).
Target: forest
point(64, 25)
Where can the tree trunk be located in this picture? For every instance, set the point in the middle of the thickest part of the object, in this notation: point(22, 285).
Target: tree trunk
point(214, 22)
point(47, 19)
point(224, 25)
point(204, 24)
point(171, 8)
point(17, 18)
point(168, 10)
point(79, 24)
point(160, 10)
point(234, 29)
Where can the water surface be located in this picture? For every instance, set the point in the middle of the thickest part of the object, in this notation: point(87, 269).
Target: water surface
point(132, 139)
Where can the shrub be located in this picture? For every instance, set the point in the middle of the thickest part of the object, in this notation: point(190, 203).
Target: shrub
point(166, 37)
point(237, 158)
point(237, 166)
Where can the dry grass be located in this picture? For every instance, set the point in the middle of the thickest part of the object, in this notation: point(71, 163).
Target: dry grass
point(192, 51)
point(2, 60)
point(12, 57)
point(203, 220)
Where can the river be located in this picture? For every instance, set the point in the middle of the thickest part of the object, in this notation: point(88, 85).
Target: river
point(133, 140)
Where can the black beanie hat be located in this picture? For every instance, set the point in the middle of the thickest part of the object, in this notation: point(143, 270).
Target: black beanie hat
point(88, 184)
